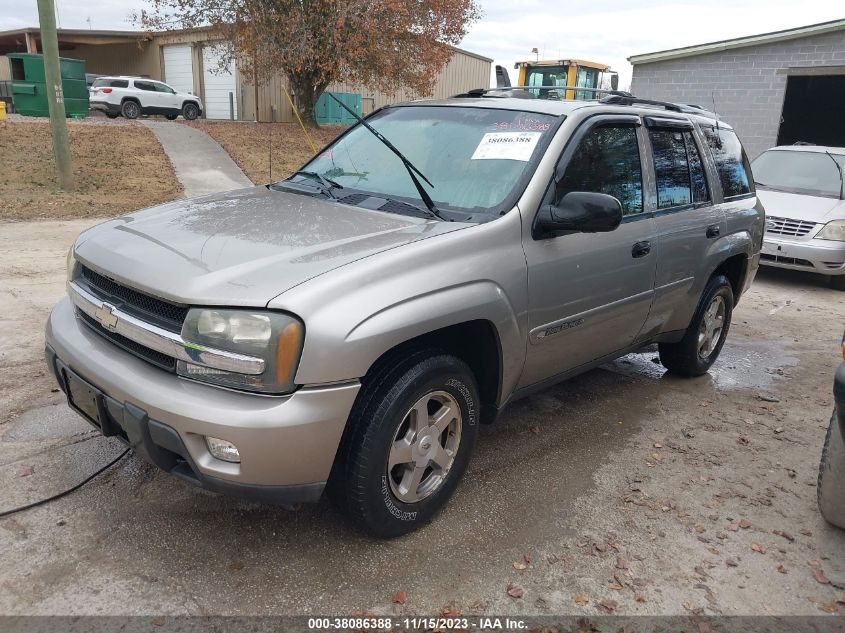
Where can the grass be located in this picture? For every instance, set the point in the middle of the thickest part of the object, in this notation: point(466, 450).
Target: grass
point(249, 145)
point(117, 168)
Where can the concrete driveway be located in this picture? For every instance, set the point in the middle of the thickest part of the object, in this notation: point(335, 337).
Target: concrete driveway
point(623, 486)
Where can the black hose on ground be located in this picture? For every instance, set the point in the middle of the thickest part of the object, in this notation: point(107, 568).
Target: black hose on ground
point(66, 492)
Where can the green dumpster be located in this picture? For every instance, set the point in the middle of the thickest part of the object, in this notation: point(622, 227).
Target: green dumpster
point(29, 87)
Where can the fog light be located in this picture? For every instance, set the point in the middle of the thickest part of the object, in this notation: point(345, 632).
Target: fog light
point(221, 449)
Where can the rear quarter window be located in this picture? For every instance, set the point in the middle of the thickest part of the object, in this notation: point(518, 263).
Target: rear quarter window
point(731, 161)
point(110, 83)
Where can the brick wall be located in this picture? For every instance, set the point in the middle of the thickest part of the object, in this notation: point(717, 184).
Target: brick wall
point(746, 84)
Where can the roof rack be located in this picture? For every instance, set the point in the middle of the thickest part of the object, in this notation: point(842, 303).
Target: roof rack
point(632, 100)
point(688, 108)
point(613, 97)
point(504, 91)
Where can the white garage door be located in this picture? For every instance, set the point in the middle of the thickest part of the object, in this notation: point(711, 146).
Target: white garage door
point(178, 68)
point(218, 85)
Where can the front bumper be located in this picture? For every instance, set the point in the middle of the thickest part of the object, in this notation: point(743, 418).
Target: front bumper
point(825, 257)
point(287, 443)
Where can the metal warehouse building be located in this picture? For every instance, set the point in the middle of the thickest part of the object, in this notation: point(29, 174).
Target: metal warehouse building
point(188, 60)
point(775, 88)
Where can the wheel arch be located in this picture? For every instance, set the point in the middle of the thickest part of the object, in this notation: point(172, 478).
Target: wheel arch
point(735, 268)
point(475, 342)
point(731, 256)
point(475, 321)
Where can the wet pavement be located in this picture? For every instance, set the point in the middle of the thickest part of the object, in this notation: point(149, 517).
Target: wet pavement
point(624, 463)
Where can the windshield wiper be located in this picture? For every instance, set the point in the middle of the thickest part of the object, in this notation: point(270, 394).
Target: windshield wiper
point(327, 183)
point(413, 172)
point(841, 176)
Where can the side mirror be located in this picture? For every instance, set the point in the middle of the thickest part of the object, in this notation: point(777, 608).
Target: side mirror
point(583, 211)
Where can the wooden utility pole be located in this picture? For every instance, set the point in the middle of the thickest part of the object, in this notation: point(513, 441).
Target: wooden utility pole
point(55, 95)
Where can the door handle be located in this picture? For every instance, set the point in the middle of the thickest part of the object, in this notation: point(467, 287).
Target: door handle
point(641, 249)
point(713, 231)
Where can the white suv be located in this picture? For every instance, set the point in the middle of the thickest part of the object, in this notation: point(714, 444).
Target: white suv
point(134, 96)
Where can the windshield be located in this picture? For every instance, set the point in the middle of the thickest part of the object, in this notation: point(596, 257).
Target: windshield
point(474, 157)
point(807, 172)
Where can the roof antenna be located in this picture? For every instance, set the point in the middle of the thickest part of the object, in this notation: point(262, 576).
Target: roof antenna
point(713, 98)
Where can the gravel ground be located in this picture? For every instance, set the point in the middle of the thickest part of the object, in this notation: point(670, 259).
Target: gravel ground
point(623, 490)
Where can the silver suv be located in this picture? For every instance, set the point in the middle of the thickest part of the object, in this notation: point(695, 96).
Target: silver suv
point(349, 328)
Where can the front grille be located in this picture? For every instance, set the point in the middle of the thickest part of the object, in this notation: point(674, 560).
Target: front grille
point(792, 261)
point(788, 227)
point(150, 355)
point(162, 313)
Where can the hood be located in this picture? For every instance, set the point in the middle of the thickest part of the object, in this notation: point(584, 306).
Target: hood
point(797, 206)
point(242, 248)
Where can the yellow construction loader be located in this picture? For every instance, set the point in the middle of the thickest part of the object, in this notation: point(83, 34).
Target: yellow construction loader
point(561, 78)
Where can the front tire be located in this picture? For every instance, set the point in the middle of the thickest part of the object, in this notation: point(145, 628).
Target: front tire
point(832, 476)
point(112, 115)
point(130, 109)
point(698, 350)
point(410, 436)
point(837, 282)
point(171, 117)
point(190, 111)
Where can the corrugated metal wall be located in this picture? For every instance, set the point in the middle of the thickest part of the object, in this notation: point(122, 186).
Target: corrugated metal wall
point(133, 58)
point(464, 71)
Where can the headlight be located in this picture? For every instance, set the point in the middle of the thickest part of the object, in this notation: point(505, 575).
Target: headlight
point(274, 337)
point(834, 230)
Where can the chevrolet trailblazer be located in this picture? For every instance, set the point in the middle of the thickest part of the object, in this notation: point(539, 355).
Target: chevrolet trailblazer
point(349, 328)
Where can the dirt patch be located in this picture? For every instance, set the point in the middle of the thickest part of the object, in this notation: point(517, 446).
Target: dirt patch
point(119, 167)
point(32, 276)
point(249, 144)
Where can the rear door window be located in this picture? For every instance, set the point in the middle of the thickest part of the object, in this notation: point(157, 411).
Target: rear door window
point(731, 161)
point(698, 180)
point(607, 161)
point(671, 168)
point(145, 85)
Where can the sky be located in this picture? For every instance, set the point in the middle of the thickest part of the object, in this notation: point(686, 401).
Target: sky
point(607, 31)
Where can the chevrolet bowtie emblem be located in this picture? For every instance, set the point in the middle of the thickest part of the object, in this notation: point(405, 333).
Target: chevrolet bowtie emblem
point(106, 316)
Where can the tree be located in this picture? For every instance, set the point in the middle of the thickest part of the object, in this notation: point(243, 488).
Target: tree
point(388, 44)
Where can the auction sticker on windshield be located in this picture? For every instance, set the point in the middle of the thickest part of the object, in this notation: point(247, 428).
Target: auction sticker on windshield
point(507, 146)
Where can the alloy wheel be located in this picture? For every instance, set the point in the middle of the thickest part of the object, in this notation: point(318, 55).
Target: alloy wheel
point(424, 447)
point(711, 327)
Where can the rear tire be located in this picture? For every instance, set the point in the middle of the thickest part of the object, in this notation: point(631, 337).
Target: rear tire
point(837, 282)
point(408, 442)
point(190, 111)
point(832, 476)
point(130, 109)
point(698, 350)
